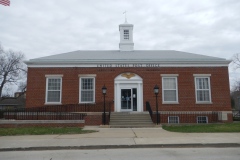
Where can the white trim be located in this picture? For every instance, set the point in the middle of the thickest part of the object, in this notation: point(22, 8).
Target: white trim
point(176, 82)
point(87, 75)
point(210, 95)
point(124, 83)
point(202, 75)
point(93, 65)
point(46, 92)
point(131, 63)
point(169, 75)
point(204, 102)
point(170, 102)
point(54, 75)
point(94, 87)
point(52, 103)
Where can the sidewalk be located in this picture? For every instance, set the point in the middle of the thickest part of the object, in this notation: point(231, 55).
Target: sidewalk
point(117, 137)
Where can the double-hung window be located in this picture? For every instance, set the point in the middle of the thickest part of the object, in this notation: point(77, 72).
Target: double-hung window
point(87, 88)
point(53, 89)
point(169, 88)
point(126, 34)
point(202, 88)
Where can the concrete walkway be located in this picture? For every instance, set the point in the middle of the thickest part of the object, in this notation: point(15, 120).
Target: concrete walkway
point(131, 137)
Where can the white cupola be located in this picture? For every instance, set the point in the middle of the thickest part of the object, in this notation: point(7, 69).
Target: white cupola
point(126, 37)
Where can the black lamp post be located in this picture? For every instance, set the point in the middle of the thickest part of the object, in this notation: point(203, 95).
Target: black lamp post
point(156, 91)
point(104, 91)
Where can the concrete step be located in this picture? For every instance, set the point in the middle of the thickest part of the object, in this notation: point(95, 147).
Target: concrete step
point(132, 126)
point(130, 120)
point(126, 122)
point(122, 121)
point(130, 117)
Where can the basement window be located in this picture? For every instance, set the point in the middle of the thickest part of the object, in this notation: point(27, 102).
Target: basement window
point(173, 119)
point(202, 119)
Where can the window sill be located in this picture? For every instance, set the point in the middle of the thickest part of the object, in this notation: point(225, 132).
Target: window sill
point(170, 102)
point(204, 103)
point(52, 103)
point(87, 103)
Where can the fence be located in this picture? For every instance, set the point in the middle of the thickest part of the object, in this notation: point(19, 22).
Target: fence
point(54, 112)
point(236, 115)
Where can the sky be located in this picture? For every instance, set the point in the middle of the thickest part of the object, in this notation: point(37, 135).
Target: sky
point(47, 27)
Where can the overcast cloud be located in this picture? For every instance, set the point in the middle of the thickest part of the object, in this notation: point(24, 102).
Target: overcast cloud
point(47, 27)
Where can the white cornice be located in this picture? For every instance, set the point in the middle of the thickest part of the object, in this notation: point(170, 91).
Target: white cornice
point(128, 64)
point(92, 66)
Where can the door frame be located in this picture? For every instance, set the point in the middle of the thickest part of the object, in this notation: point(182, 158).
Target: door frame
point(122, 82)
point(131, 97)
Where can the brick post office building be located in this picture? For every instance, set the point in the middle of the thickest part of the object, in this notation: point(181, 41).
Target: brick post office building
point(188, 83)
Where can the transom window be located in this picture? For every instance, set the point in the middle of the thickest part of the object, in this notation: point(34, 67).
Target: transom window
point(202, 86)
point(169, 89)
point(173, 119)
point(202, 119)
point(126, 34)
point(87, 89)
point(53, 89)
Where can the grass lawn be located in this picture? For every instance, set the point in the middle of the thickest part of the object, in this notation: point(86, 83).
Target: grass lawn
point(42, 130)
point(201, 128)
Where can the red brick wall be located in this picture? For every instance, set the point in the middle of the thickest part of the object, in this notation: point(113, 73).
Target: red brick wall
point(189, 117)
point(95, 119)
point(230, 118)
point(186, 90)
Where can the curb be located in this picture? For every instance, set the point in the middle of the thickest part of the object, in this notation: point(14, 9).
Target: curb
point(194, 145)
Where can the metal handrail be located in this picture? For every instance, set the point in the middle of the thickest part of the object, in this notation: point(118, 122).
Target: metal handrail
point(149, 109)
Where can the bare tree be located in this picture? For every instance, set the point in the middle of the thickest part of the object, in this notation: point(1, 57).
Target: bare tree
point(23, 86)
point(236, 60)
point(236, 86)
point(11, 67)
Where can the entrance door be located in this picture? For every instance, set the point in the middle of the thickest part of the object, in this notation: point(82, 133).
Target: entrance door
point(134, 96)
point(126, 99)
point(129, 99)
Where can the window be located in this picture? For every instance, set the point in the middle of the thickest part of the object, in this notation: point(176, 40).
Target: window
point(53, 88)
point(202, 119)
point(173, 119)
point(87, 89)
point(126, 34)
point(202, 86)
point(169, 89)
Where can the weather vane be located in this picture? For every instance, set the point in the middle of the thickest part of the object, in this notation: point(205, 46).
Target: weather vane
point(125, 16)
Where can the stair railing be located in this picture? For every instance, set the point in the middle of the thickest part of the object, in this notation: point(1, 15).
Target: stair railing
point(149, 109)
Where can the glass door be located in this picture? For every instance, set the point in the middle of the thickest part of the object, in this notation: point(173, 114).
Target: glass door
point(126, 99)
point(134, 99)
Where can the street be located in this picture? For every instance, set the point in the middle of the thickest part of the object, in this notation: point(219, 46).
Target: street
point(127, 154)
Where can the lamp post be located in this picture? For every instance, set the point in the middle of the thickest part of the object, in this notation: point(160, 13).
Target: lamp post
point(104, 91)
point(156, 91)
